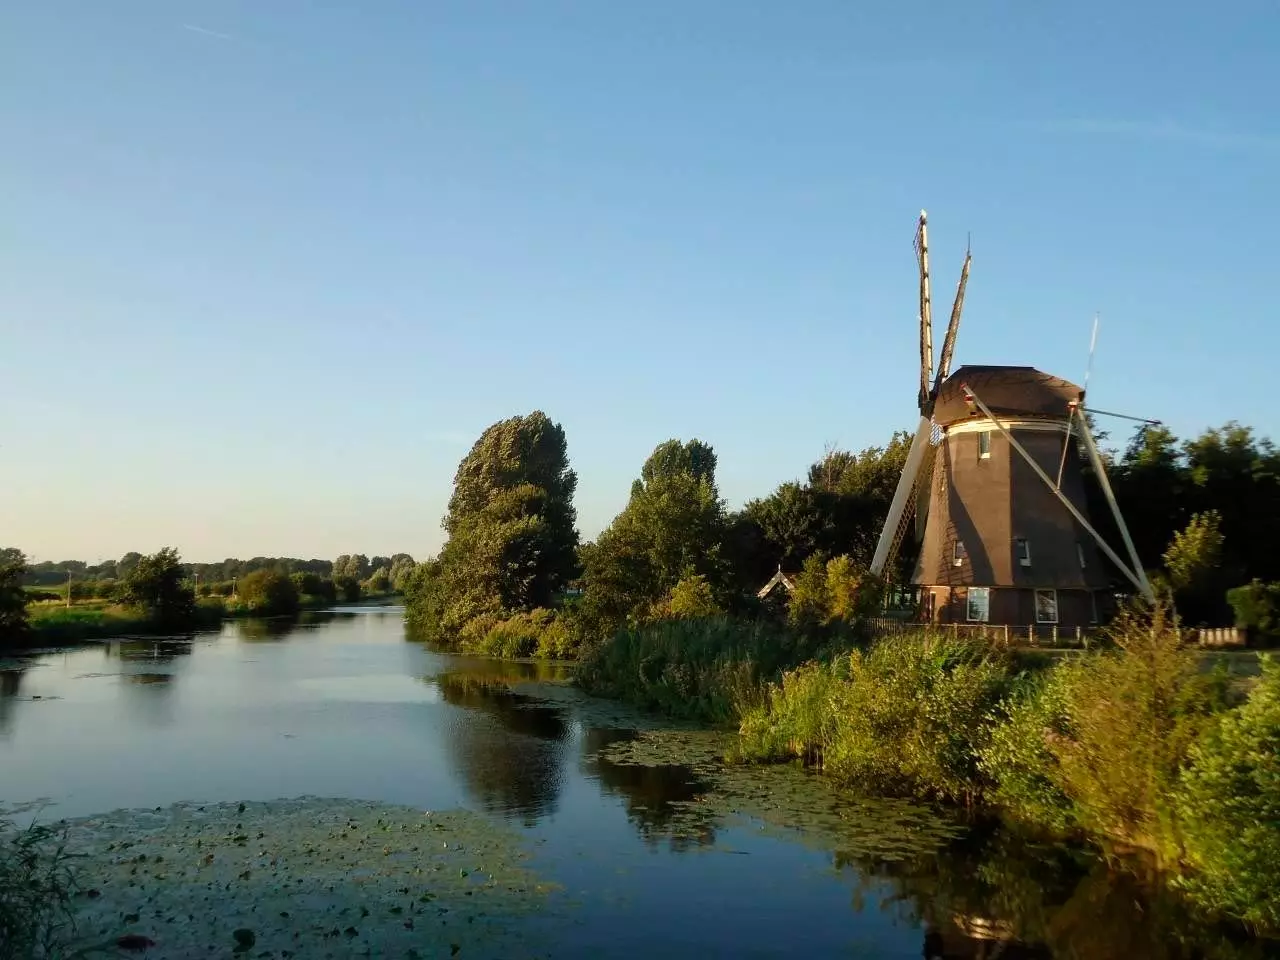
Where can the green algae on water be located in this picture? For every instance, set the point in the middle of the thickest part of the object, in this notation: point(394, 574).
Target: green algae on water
point(305, 877)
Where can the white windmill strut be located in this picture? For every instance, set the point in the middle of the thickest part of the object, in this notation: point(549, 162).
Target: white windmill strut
point(1138, 578)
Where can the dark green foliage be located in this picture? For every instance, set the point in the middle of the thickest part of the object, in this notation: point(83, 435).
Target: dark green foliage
point(701, 669)
point(672, 528)
point(36, 890)
point(157, 586)
point(1228, 807)
point(351, 566)
point(1257, 609)
point(348, 589)
point(314, 589)
point(268, 592)
point(512, 540)
point(13, 599)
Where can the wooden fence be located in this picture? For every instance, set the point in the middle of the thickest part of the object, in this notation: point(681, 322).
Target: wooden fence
point(1038, 635)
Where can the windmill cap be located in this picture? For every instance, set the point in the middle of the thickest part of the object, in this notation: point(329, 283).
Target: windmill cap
point(1006, 391)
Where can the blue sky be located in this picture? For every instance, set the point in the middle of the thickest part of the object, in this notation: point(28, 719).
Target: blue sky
point(270, 267)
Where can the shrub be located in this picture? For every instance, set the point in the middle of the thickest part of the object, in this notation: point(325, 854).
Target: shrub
point(348, 588)
point(522, 635)
point(1257, 609)
point(1018, 759)
point(1228, 804)
point(690, 598)
point(36, 890)
point(909, 716)
point(268, 591)
point(1130, 715)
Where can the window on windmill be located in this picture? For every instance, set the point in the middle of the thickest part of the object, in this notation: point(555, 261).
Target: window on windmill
point(958, 554)
point(984, 445)
point(1046, 606)
point(978, 604)
point(1023, 551)
point(1080, 554)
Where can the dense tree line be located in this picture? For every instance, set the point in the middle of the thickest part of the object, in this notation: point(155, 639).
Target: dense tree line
point(1201, 513)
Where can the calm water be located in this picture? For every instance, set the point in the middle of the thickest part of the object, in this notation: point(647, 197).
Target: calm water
point(343, 706)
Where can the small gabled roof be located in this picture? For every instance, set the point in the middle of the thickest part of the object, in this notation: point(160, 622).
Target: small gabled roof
point(787, 581)
point(1008, 391)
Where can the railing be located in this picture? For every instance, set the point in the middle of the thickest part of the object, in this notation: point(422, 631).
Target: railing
point(1009, 635)
point(1221, 636)
point(1037, 635)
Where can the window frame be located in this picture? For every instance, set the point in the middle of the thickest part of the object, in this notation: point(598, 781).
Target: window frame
point(1053, 593)
point(985, 593)
point(984, 444)
point(959, 553)
point(1022, 551)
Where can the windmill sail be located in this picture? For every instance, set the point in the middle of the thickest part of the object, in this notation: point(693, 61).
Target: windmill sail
point(899, 518)
point(926, 310)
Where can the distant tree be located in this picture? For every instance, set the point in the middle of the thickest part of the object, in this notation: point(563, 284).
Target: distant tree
point(310, 584)
point(1193, 564)
point(268, 591)
point(13, 600)
point(348, 588)
point(690, 598)
point(511, 531)
point(379, 581)
point(401, 569)
point(376, 562)
point(157, 585)
point(127, 563)
point(673, 527)
point(352, 565)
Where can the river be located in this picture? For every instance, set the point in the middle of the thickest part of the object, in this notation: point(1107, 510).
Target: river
point(341, 705)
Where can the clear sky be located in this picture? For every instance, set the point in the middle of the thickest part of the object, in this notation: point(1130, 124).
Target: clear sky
point(269, 268)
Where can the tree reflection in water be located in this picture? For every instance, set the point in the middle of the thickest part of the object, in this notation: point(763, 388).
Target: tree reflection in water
point(656, 795)
point(998, 894)
point(10, 684)
point(518, 774)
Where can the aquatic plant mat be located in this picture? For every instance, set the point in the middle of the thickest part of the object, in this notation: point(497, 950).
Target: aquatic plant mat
point(782, 800)
point(304, 878)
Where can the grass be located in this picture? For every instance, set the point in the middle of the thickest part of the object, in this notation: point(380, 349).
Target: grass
point(57, 623)
point(36, 890)
point(706, 669)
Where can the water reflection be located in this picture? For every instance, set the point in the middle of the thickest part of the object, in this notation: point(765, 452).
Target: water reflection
point(996, 893)
point(149, 649)
point(10, 683)
point(521, 774)
point(656, 795)
point(277, 629)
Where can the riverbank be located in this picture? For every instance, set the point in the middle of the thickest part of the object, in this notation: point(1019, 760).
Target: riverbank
point(636, 817)
point(53, 624)
point(1136, 747)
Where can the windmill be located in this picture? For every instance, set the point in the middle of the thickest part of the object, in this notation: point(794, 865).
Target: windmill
point(999, 539)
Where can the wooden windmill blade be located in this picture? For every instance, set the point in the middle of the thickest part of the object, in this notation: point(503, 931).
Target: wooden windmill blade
point(953, 327)
point(926, 311)
point(898, 520)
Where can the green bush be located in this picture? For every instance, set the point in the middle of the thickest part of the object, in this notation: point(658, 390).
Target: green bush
point(268, 591)
point(1228, 805)
point(704, 669)
point(1131, 713)
point(539, 632)
point(36, 890)
point(1257, 609)
point(1018, 758)
point(908, 716)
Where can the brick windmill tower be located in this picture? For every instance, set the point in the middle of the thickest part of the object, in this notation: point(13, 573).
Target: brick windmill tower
point(994, 481)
